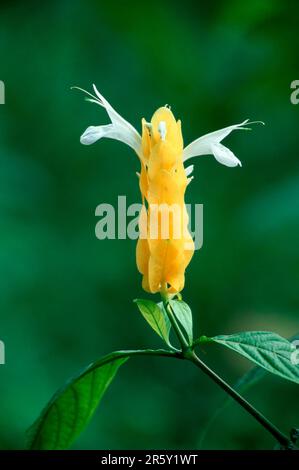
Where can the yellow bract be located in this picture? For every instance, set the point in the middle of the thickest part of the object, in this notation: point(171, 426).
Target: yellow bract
point(165, 246)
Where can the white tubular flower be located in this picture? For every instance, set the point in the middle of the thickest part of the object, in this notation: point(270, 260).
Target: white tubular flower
point(119, 129)
point(209, 144)
point(122, 130)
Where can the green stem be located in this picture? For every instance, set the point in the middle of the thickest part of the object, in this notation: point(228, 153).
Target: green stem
point(190, 355)
point(279, 436)
point(136, 352)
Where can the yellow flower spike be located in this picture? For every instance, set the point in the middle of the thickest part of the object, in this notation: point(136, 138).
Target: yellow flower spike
point(165, 246)
point(166, 185)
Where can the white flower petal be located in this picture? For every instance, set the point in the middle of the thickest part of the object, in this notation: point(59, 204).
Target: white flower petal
point(119, 129)
point(110, 131)
point(224, 155)
point(189, 170)
point(94, 133)
point(126, 130)
point(202, 145)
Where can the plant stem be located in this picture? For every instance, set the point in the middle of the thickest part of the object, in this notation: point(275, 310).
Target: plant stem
point(134, 352)
point(279, 436)
point(190, 355)
point(146, 352)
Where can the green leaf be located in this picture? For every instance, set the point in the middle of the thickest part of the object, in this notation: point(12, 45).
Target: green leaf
point(183, 314)
point(156, 317)
point(266, 349)
point(254, 375)
point(71, 408)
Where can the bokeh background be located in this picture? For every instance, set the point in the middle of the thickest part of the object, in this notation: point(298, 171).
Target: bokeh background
point(66, 297)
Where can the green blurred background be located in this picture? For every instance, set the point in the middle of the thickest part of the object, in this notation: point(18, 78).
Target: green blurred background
point(66, 297)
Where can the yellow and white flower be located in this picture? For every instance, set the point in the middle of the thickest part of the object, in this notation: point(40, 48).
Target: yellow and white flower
point(163, 180)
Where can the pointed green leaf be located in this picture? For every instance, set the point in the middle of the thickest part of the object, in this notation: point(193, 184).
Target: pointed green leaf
point(183, 314)
point(266, 349)
point(156, 317)
point(254, 375)
point(71, 408)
